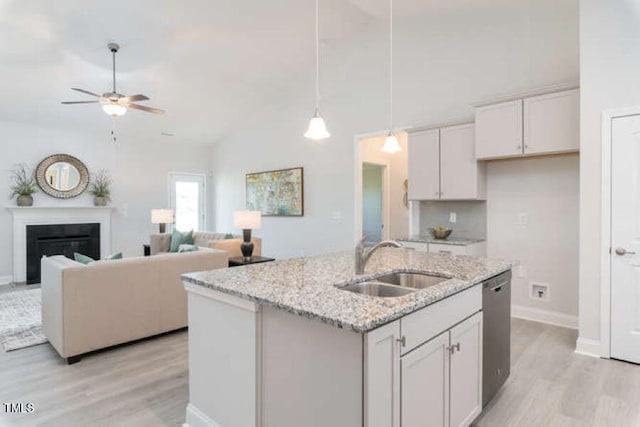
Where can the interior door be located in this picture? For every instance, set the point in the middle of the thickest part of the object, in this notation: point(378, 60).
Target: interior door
point(625, 239)
point(187, 199)
point(425, 384)
point(424, 165)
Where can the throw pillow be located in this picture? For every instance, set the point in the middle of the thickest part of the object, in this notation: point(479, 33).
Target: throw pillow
point(82, 259)
point(178, 238)
point(187, 248)
point(228, 236)
point(117, 255)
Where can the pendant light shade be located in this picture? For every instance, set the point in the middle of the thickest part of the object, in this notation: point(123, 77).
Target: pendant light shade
point(317, 128)
point(391, 144)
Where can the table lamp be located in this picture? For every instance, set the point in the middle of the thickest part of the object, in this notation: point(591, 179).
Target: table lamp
point(162, 217)
point(247, 221)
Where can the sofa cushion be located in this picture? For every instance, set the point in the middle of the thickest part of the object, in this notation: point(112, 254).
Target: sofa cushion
point(179, 238)
point(187, 248)
point(117, 255)
point(83, 259)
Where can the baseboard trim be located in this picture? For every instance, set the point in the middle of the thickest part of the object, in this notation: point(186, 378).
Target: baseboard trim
point(544, 316)
point(196, 418)
point(6, 280)
point(588, 347)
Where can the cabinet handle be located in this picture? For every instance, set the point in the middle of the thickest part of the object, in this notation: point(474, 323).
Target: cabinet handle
point(402, 341)
point(452, 349)
point(519, 147)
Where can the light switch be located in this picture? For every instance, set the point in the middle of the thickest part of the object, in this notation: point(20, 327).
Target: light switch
point(523, 218)
point(453, 217)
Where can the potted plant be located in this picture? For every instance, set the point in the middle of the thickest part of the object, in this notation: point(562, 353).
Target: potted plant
point(101, 188)
point(24, 185)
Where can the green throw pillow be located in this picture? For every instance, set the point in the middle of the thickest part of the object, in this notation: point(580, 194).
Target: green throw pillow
point(178, 238)
point(187, 248)
point(228, 236)
point(82, 259)
point(117, 255)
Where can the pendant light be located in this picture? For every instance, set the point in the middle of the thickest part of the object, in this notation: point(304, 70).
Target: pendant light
point(317, 128)
point(391, 144)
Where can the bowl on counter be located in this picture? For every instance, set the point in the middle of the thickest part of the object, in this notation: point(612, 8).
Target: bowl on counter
point(441, 233)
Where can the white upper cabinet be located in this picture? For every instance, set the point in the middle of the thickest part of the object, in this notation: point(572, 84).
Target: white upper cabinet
point(538, 125)
point(499, 130)
point(442, 165)
point(551, 123)
point(461, 176)
point(424, 165)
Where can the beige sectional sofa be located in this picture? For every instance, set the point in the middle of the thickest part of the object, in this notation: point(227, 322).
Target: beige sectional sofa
point(160, 243)
point(94, 306)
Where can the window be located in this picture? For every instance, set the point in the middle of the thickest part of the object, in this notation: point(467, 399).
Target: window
point(187, 198)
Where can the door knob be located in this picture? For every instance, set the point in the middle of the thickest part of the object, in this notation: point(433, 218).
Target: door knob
point(623, 251)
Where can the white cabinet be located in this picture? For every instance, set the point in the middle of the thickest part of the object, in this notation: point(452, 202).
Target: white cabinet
point(466, 371)
point(425, 384)
point(499, 130)
point(533, 126)
point(472, 249)
point(382, 376)
point(441, 381)
point(424, 165)
point(461, 176)
point(551, 123)
point(442, 165)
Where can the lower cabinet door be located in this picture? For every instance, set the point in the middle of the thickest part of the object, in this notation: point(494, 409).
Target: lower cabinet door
point(466, 371)
point(425, 384)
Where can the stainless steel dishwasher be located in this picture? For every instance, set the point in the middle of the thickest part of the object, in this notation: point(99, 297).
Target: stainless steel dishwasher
point(496, 342)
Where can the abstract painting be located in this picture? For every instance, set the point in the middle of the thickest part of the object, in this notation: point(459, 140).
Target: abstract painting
point(276, 193)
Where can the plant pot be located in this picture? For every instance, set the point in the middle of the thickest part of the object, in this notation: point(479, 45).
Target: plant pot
point(24, 201)
point(100, 201)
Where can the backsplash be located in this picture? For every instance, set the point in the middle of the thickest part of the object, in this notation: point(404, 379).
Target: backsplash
point(471, 221)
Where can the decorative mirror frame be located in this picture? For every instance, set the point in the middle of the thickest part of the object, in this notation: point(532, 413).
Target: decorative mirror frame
point(41, 172)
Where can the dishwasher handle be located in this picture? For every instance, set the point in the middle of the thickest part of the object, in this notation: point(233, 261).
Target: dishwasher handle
point(497, 288)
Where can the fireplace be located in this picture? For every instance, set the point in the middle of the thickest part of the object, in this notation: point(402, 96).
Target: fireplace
point(59, 239)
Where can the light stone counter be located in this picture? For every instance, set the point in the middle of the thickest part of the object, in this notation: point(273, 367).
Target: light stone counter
point(307, 286)
point(458, 241)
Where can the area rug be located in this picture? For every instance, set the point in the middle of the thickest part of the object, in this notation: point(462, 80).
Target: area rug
point(20, 319)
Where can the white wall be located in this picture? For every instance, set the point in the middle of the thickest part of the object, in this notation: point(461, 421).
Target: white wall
point(546, 189)
point(609, 70)
point(139, 170)
point(444, 62)
point(396, 163)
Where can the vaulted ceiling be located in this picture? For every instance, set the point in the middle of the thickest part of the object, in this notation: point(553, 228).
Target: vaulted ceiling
point(210, 64)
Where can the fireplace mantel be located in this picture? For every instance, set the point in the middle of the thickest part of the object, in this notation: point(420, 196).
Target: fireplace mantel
point(44, 215)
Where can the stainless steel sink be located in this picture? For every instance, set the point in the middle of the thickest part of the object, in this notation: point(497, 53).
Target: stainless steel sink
point(411, 280)
point(377, 289)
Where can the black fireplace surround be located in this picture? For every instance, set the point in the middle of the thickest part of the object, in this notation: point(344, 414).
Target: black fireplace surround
point(59, 239)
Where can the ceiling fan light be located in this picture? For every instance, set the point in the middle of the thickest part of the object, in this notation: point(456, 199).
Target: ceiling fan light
point(391, 144)
point(317, 128)
point(114, 110)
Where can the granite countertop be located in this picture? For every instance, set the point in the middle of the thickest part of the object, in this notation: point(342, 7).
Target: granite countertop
point(306, 286)
point(459, 241)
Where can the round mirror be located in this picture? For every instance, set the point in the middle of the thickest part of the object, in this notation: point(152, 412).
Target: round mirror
point(62, 176)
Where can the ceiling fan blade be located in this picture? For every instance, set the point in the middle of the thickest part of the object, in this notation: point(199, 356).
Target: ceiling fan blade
point(132, 98)
point(80, 102)
point(86, 91)
point(145, 108)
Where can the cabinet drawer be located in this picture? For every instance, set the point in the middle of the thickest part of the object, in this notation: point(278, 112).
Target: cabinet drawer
point(422, 325)
point(416, 245)
point(447, 249)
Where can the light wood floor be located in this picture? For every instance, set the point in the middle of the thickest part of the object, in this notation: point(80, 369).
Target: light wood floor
point(146, 384)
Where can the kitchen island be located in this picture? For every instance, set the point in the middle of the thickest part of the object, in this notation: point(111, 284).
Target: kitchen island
point(280, 344)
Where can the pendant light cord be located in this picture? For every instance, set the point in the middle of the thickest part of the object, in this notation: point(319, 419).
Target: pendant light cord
point(317, 54)
point(390, 66)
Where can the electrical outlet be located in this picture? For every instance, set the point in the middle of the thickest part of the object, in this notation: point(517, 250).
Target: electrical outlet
point(523, 218)
point(453, 217)
point(539, 291)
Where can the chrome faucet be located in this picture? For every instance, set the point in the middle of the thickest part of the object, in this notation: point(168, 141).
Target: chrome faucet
point(363, 254)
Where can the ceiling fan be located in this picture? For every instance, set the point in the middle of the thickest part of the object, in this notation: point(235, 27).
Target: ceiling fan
point(114, 103)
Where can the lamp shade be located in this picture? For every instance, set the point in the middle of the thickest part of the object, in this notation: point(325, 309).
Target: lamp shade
point(247, 220)
point(114, 110)
point(317, 128)
point(162, 216)
point(391, 144)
